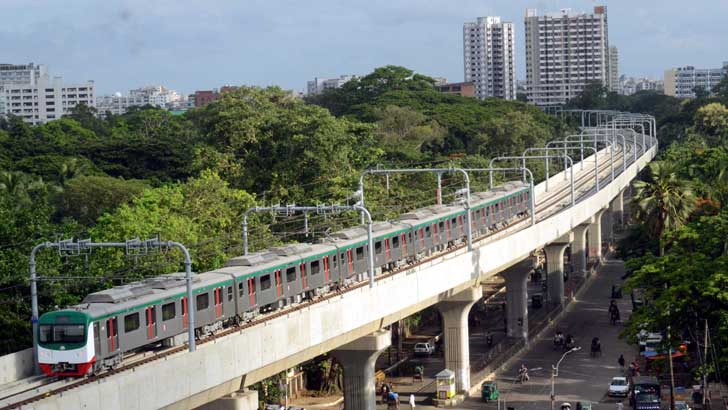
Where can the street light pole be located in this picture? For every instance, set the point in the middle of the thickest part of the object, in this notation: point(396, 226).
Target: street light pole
point(555, 373)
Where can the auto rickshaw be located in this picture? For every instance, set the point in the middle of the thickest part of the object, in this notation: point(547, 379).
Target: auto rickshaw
point(489, 391)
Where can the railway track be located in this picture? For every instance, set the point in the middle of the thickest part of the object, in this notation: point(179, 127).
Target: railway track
point(545, 208)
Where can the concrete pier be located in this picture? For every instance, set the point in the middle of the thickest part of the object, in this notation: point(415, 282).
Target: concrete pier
point(455, 329)
point(358, 358)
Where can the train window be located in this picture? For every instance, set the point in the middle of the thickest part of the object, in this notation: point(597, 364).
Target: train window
point(315, 267)
point(333, 259)
point(378, 247)
point(442, 226)
point(360, 253)
point(395, 241)
point(203, 301)
point(241, 290)
point(131, 322)
point(45, 333)
point(454, 222)
point(428, 232)
point(291, 274)
point(168, 311)
point(230, 293)
point(265, 282)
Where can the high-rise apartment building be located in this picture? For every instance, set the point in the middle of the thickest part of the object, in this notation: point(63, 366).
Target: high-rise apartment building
point(489, 58)
point(27, 91)
point(565, 50)
point(682, 82)
point(613, 69)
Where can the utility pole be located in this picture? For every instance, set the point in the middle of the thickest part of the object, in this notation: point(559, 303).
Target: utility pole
point(705, 371)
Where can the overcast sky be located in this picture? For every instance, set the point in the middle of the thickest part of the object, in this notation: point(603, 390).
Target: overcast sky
point(201, 44)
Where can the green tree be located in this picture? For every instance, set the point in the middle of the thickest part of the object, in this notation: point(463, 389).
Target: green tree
point(721, 89)
point(85, 198)
point(664, 201)
point(712, 121)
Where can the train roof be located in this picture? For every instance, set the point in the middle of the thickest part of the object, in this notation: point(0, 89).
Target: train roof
point(133, 295)
point(275, 257)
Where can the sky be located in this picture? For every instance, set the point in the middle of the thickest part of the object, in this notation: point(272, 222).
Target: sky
point(191, 45)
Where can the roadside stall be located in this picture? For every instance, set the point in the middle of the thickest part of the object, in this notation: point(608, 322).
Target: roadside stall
point(445, 384)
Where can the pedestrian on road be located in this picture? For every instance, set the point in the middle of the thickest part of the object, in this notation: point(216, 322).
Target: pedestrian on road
point(621, 361)
point(412, 402)
point(620, 406)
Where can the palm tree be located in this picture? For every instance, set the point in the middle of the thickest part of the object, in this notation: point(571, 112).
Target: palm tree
point(664, 200)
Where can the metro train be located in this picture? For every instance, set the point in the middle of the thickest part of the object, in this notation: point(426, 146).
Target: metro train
point(94, 335)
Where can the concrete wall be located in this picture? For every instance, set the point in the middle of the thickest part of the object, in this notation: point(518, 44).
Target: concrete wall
point(217, 368)
point(16, 366)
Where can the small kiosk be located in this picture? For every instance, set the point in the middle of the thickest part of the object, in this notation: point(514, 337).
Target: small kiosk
point(445, 384)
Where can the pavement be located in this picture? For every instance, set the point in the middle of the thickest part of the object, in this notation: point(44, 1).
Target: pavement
point(581, 377)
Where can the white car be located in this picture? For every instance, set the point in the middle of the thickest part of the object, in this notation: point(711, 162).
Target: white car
point(618, 387)
point(424, 349)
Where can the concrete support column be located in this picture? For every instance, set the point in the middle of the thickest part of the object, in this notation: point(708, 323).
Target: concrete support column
point(617, 209)
point(455, 311)
point(517, 301)
point(358, 359)
point(555, 268)
point(578, 249)
point(595, 238)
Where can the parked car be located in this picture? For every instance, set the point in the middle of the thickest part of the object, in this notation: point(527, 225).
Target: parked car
point(619, 386)
point(424, 349)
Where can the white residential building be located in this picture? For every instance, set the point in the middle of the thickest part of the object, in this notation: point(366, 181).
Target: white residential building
point(488, 57)
point(47, 99)
point(155, 95)
point(319, 85)
point(14, 74)
point(631, 85)
point(565, 51)
point(21, 73)
point(681, 82)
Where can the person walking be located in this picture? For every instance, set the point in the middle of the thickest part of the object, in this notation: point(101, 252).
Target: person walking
point(412, 402)
point(621, 361)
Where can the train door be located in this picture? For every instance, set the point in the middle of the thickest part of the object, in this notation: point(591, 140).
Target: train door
point(97, 340)
point(326, 269)
point(112, 335)
point(251, 291)
point(151, 314)
point(185, 317)
point(304, 282)
point(218, 303)
point(387, 256)
point(404, 245)
point(350, 260)
point(279, 289)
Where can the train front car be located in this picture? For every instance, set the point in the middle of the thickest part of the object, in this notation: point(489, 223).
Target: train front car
point(65, 343)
